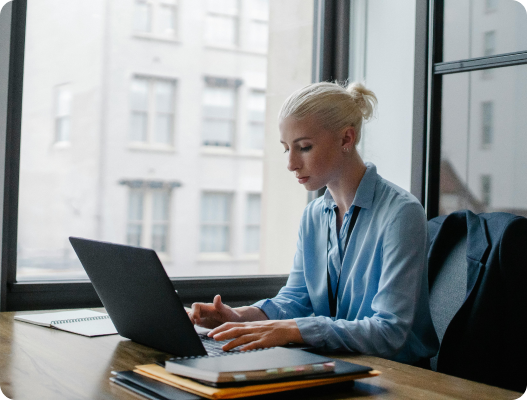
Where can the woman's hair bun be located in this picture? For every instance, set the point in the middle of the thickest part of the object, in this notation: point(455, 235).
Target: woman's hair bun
point(364, 98)
point(335, 105)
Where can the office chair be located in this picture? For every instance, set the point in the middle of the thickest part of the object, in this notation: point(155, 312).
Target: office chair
point(478, 298)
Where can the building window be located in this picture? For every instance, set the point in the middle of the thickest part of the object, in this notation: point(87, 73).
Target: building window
point(222, 22)
point(148, 218)
point(62, 113)
point(215, 222)
point(486, 187)
point(142, 16)
point(252, 223)
point(219, 112)
point(156, 17)
point(489, 43)
point(487, 132)
point(258, 11)
point(256, 119)
point(152, 111)
point(491, 5)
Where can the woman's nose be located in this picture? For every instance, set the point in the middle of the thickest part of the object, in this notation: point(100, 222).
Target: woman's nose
point(292, 162)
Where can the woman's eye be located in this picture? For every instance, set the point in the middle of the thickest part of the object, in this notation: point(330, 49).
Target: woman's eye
point(307, 148)
point(286, 150)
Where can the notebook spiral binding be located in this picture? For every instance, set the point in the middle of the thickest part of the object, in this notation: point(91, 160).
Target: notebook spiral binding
point(69, 321)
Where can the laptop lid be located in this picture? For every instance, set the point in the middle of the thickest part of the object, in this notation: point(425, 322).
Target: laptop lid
point(138, 295)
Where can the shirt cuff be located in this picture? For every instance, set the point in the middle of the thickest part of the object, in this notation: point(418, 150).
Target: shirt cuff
point(270, 309)
point(311, 331)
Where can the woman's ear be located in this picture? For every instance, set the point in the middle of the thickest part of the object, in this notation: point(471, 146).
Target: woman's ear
point(349, 137)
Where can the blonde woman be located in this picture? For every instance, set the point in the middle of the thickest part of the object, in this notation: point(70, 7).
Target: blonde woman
point(359, 277)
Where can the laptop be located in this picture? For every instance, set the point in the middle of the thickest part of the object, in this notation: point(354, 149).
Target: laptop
point(140, 299)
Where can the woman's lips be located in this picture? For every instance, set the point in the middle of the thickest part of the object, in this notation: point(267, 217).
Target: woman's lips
point(303, 179)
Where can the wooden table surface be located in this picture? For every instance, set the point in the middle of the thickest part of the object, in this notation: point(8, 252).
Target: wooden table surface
point(43, 363)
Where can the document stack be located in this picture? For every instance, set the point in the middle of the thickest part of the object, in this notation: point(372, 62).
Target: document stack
point(238, 375)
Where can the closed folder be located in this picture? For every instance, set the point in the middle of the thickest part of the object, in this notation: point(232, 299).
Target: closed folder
point(341, 374)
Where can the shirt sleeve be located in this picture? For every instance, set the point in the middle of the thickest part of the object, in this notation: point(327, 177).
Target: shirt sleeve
point(395, 303)
point(293, 299)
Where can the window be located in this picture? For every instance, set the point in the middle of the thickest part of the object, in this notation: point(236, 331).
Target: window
point(252, 223)
point(143, 16)
point(256, 119)
point(476, 125)
point(155, 17)
point(487, 114)
point(148, 218)
point(490, 43)
point(486, 187)
point(152, 111)
point(491, 5)
point(62, 113)
point(222, 22)
point(215, 222)
point(219, 112)
point(258, 11)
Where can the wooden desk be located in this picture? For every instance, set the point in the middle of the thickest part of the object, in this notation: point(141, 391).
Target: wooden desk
point(43, 363)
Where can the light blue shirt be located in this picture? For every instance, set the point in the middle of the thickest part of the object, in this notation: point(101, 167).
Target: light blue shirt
point(382, 304)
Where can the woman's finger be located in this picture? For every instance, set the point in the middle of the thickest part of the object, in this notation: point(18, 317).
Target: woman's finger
point(244, 339)
point(224, 327)
point(233, 332)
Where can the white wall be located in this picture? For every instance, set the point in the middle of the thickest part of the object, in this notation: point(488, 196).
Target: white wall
point(388, 70)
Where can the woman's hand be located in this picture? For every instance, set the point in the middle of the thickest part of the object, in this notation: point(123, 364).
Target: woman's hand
point(257, 334)
point(211, 315)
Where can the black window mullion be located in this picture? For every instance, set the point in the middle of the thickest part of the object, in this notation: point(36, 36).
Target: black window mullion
point(11, 152)
point(480, 63)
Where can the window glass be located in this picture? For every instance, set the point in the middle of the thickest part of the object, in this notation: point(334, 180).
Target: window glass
point(126, 132)
point(167, 18)
point(258, 34)
point(218, 115)
point(228, 7)
point(476, 28)
point(483, 142)
point(256, 119)
point(252, 229)
point(215, 222)
point(142, 16)
point(221, 30)
point(258, 9)
point(383, 33)
point(62, 119)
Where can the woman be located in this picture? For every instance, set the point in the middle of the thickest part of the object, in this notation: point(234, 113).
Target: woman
point(365, 239)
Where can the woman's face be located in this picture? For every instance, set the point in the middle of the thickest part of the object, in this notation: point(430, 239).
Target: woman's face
point(314, 154)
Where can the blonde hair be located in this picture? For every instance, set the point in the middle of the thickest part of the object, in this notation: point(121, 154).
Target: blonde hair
point(334, 106)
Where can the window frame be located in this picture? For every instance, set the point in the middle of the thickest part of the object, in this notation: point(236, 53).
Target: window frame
point(150, 143)
point(431, 54)
point(330, 61)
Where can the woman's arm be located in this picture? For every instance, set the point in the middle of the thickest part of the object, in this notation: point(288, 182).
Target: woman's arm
point(400, 304)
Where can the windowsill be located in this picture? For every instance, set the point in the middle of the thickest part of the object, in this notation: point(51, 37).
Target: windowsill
point(226, 257)
point(236, 49)
point(231, 152)
point(151, 147)
point(157, 37)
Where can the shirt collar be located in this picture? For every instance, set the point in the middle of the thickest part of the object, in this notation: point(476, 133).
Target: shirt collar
point(365, 191)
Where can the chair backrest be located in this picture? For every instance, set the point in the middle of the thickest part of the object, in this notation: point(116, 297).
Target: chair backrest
point(448, 290)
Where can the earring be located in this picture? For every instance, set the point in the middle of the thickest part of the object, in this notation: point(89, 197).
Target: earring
point(346, 149)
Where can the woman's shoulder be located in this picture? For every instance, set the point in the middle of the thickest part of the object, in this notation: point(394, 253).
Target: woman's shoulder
point(396, 199)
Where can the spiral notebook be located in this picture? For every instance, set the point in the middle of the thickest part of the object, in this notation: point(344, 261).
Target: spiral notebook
point(82, 322)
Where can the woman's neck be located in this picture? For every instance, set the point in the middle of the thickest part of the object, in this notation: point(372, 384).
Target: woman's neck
point(344, 187)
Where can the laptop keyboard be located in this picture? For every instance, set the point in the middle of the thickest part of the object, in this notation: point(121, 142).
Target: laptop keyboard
point(213, 347)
